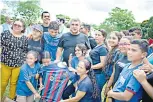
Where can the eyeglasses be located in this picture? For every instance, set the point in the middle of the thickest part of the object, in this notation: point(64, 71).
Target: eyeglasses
point(123, 44)
point(17, 25)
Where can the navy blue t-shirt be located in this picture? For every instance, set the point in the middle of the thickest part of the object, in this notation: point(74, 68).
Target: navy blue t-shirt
point(36, 46)
point(96, 53)
point(109, 66)
point(119, 65)
point(86, 86)
point(45, 29)
point(69, 41)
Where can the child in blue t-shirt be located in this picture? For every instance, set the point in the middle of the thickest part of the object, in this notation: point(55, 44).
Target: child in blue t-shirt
point(127, 88)
point(86, 87)
point(36, 43)
point(27, 81)
point(51, 39)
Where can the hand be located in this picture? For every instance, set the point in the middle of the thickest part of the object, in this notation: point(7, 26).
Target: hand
point(72, 69)
point(37, 95)
point(146, 68)
point(29, 36)
point(140, 75)
point(106, 90)
point(41, 87)
point(37, 76)
point(70, 59)
point(56, 61)
point(109, 94)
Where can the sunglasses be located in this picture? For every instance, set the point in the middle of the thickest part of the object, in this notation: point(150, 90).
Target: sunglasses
point(46, 16)
point(17, 25)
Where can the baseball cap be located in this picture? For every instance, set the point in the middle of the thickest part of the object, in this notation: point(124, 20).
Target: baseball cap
point(38, 27)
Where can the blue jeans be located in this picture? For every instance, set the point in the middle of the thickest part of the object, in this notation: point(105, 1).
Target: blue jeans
point(101, 80)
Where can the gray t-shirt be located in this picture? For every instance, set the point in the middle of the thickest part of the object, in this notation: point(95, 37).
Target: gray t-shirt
point(68, 42)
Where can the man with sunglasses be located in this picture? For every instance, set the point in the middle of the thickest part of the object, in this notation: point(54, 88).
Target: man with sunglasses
point(45, 16)
point(7, 25)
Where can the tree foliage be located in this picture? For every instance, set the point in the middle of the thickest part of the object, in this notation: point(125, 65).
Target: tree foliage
point(67, 18)
point(119, 19)
point(147, 27)
point(29, 11)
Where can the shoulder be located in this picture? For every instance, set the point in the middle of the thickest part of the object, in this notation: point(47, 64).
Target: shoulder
point(24, 67)
point(86, 82)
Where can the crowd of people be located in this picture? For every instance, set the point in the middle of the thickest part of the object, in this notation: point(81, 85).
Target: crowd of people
point(118, 63)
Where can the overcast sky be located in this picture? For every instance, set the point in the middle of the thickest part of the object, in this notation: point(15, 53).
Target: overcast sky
point(95, 11)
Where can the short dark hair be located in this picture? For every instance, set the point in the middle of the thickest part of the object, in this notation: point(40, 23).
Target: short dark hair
point(46, 55)
point(62, 20)
point(134, 29)
point(43, 13)
point(53, 25)
point(125, 32)
point(87, 26)
point(142, 43)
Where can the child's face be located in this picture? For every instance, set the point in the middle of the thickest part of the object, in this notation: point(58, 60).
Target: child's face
point(135, 53)
point(46, 62)
point(81, 70)
point(78, 52)
point(124, 45)
point(31, 59)
point(52, 32)
point(36, 34)
point(113, 40)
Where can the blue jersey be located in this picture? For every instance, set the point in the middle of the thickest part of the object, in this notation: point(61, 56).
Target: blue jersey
point(55, 79)
point(27, 74)
point(51, 44)
point(127, 81)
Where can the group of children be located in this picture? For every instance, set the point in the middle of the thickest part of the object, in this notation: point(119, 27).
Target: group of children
point(116, 62)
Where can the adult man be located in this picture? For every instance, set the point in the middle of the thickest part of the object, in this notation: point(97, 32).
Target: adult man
point(7, 25)
point(69, 40)
point(86, 29)
point(45, 16)
point(62, 28)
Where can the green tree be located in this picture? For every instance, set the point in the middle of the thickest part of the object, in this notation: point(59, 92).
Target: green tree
point(147, 28)
point(29, 11)
point(119, 19)
point(67, 18)
point(2, 19)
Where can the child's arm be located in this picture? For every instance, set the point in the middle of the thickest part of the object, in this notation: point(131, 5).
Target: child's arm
point(141, 77)
point(109, 84)
point(123, 96)
point(110, 100)
point(30, 86)
point(40, 81)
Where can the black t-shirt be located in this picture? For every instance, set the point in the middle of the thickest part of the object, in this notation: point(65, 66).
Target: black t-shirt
point(45, 29)
point(92, 42)
point(96, 53)
point(146, 97)
point(69, 41)
point(119, 65)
